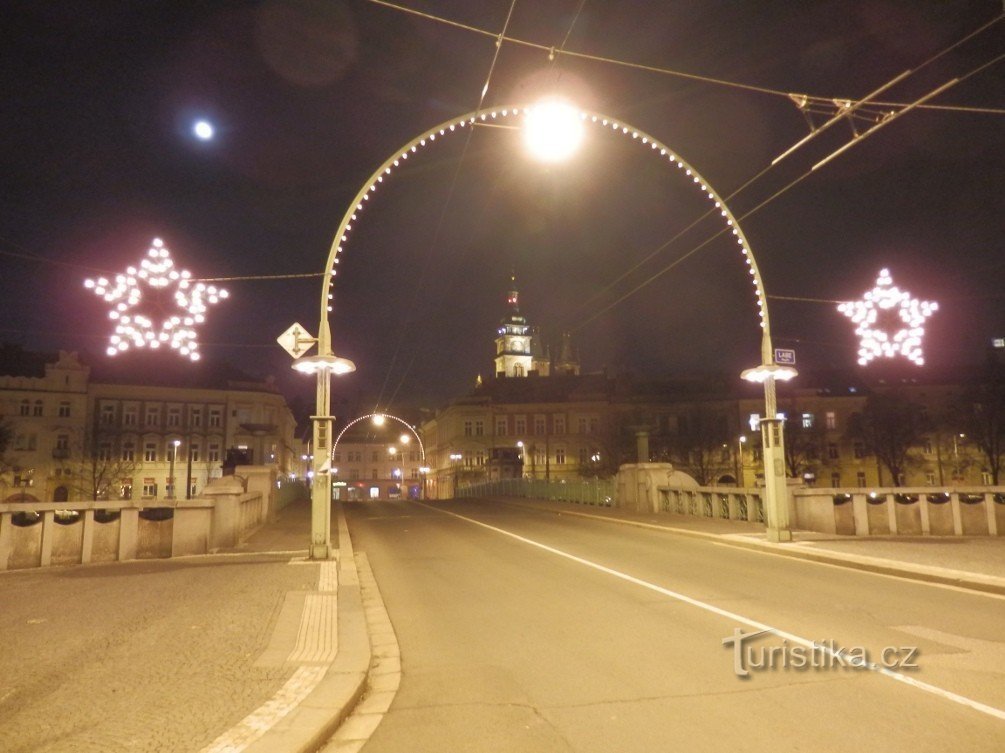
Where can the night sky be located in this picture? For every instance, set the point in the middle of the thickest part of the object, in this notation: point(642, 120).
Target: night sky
point(309, 97)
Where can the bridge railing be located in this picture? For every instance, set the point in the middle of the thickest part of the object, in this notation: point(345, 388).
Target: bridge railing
point(39, 534)
point(598, 492)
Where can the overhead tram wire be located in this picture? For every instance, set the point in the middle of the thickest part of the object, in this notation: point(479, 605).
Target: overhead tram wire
point(802, 142)
point(408, 318)
point(761, 205)
point(695, 76)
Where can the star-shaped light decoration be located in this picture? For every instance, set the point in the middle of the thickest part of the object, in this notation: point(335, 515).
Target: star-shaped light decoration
point(177, 312)
point(900, 332)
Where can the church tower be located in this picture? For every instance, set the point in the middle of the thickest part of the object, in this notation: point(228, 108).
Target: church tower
point(567, 362)
point(513, 339)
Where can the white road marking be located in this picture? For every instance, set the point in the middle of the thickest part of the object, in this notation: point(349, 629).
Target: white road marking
point(927, 687)
point(763, 548)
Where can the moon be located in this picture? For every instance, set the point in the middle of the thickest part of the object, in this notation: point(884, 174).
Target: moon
point(203, 130)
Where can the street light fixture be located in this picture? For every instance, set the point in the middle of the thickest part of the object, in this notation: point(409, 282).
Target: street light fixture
point(553, 130)
point(776, 491)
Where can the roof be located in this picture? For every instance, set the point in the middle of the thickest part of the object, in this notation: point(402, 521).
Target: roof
point(161, 369)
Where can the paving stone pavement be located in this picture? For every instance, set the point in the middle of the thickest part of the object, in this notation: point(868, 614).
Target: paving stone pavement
point(153, 655)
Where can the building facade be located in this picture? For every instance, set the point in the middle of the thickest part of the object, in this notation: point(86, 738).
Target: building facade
point(77, 438)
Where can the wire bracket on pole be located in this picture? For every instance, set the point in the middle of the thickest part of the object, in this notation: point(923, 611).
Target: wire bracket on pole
point(845, 109)
point(884, 121)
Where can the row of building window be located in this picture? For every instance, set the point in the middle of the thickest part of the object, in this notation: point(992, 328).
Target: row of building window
point(356, 456)
point(152, 416)
point(153, 451)
point(476, 427)
point(37, 408)
point(353, 474)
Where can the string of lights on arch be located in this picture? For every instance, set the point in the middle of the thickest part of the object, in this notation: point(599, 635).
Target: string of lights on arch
point(379, 419)
point(487, 117)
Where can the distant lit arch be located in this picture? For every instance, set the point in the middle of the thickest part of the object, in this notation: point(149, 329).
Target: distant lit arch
point(351, 218)
point(371, 416)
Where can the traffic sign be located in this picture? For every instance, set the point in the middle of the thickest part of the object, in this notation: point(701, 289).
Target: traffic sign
point(785, 357)
point(296, 340)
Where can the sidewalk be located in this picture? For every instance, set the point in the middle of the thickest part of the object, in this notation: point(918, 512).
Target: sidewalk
point(251, 649)
point(973, 562)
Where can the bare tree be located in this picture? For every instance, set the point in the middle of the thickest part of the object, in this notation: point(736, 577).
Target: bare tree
point(6, 437)
point(697, 445)
point(100, 468)
point(980, 414)
point(890, 426)
point(803, 444)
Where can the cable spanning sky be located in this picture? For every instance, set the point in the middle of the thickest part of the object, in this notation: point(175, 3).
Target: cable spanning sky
point(239, 132)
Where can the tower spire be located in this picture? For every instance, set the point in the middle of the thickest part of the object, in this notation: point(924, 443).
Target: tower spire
point(513, 295)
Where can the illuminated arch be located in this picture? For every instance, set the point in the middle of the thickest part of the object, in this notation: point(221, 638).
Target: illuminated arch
point(352, 216)
point(422, 448)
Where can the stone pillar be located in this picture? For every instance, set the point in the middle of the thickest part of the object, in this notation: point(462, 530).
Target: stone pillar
point(129, 530)
point(87, 537)
point(261, 479)
point(225, 493)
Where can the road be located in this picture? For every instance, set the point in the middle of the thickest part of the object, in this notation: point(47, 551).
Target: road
point(522, 630)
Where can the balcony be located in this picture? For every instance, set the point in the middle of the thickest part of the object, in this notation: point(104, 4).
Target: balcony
point(60, 453)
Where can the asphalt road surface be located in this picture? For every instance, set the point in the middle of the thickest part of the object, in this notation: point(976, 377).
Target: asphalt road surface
point(523, 630)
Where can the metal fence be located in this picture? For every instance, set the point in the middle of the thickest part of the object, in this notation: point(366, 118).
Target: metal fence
point(584, 491)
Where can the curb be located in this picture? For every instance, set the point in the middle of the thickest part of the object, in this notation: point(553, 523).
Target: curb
point(939, 576)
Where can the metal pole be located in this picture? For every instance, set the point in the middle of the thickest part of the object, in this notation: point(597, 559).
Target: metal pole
point(174, 451)
point(188, 474)
point(321, 490)
point(776, 492)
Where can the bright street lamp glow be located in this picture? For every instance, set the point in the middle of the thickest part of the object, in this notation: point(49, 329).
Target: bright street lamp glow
point(378, 420)
point(405, 439)
point(769, 371)
point(553, 130)
point(314, 364)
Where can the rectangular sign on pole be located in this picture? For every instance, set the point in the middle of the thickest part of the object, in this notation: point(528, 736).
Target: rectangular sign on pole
point(785, 357)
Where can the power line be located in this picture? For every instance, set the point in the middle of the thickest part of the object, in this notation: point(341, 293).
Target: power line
point(856, 139)
point(407, 318)
point(682, 74)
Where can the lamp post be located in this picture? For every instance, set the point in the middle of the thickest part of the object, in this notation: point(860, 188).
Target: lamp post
point(393, 452)
point(174, 451)
point(404, 439)
point(741, 440)
point(455, 461)
point(424, 473)
point(323, 366)
point(956, 456)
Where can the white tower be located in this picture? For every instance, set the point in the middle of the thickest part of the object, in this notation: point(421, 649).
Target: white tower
point(513, 339)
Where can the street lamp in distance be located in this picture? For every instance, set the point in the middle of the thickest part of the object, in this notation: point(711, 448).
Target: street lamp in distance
point(175, 443)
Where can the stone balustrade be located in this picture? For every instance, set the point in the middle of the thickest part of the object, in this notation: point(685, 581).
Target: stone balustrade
point(69, 533)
